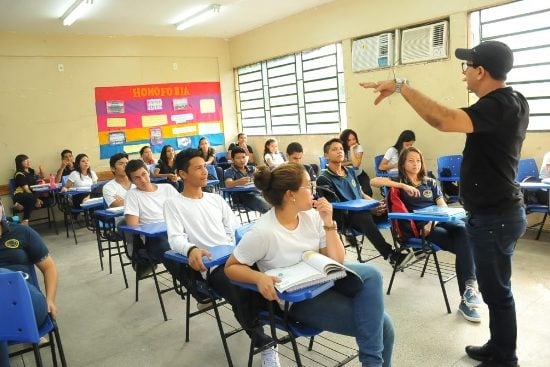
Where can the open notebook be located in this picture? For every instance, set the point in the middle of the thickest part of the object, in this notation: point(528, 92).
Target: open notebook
point(313, 269)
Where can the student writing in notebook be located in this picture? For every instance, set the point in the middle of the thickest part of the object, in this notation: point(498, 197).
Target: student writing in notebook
point(297, 223)
point(418, 191)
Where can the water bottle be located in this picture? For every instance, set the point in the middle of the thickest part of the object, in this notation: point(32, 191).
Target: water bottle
point(52, 181)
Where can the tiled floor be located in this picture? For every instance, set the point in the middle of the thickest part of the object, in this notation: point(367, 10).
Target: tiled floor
point(101, 325)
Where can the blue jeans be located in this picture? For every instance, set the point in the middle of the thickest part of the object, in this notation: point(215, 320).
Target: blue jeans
point(493, 238)
point(362, 316)
point(451, 236)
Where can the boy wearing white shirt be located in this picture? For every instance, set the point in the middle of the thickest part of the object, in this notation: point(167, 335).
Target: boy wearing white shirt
point(197, 220)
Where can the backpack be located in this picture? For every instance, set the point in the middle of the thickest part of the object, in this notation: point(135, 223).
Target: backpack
point(531, 197)
point(403, 228)
point(449, 188)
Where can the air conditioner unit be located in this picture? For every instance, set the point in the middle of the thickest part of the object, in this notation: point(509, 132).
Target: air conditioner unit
point(372, 52)
point(429, 42)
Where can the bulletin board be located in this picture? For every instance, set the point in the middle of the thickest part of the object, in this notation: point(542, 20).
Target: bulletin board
point(178, 114)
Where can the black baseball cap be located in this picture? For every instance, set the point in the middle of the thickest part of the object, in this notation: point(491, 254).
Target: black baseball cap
point(496, 57)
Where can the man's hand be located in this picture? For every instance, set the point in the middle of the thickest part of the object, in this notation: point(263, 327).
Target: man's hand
point(195, 258)
point(386, 88)
point(266, 286)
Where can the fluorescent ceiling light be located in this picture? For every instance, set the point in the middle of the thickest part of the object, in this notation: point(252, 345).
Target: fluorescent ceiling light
point(199, 16)
point(77, 10)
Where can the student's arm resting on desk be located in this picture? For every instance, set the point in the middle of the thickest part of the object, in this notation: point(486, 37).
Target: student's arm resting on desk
point(230, 183)
point(437, 115)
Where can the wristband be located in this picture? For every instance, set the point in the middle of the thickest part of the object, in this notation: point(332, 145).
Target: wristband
point(334, 227)
point(190, 249)
point(399, 83)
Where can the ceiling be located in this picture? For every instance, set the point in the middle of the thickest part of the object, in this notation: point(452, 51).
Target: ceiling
point(146, 17)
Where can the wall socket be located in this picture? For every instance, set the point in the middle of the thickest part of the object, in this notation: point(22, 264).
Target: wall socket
point(175, 66)
point(60, 67)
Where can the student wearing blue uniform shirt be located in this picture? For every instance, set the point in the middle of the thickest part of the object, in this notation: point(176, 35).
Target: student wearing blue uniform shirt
point(418, 191)
point(20, 249)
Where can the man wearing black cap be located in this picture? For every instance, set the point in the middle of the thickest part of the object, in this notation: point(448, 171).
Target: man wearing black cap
point(495, 126)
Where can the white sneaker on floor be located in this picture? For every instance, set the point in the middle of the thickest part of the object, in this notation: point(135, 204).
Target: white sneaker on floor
point(270, 357)
point(204, 306)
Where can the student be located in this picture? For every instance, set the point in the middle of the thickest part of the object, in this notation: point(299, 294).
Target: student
point(343, 183)
point(272, 156)
point(389, 162)
point(495, 126)
point(67, 165)
point(115, 190)
point(212, 223)
point(166, 166)
point(24, 199)
point(295, 224)
point(21, 247)
point(83, 176)
point(295, 154)
point(242, 142)
point(144, 204)
point(353, 152)
point(146, 155)
point(418, 191)
point(208, 153)
point(240, 174)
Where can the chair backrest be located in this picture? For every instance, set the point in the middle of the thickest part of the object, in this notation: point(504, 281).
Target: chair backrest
point(18, 320)
point(377, 160)
point(239, 232)
point(64, 180)
point(212, 171)
point(322, 162)
point(450, 162)
point(221, 157)
point(527, 167)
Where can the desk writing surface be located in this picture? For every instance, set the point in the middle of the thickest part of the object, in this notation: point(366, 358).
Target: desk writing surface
point(356, 205)
point(426, 217)
point(219, 253)
point(148, 230)
point(241, 188)
point(108, 213)
point(534, 185)
point(296, 296)
point(93, 203)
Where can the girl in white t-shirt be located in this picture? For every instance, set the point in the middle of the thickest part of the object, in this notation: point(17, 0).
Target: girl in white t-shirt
point(354, 157)
point(82, 177)
point(405, 140)
point(298, 223)
point(272, 156)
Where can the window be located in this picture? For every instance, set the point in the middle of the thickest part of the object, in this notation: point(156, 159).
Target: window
point(301, 93)
point(522, 25)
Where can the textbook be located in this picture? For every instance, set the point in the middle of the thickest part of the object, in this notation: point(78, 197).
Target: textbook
point(443, 211)
point(314, 268)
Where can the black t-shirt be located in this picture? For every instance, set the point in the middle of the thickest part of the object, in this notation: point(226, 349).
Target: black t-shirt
point(492, 151)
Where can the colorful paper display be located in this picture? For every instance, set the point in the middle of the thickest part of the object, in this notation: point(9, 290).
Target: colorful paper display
point(129, 117)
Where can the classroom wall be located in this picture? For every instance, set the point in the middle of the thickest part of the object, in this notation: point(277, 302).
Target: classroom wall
point(377, 127)
point(44, 110)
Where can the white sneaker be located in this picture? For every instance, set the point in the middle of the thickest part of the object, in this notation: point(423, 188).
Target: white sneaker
point(270, 357)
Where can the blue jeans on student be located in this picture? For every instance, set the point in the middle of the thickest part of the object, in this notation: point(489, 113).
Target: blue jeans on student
point(451, 236)
point(362, 316)
point(493, 238)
